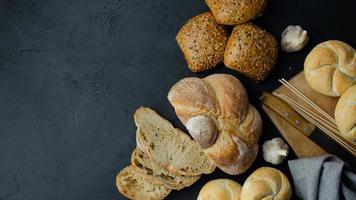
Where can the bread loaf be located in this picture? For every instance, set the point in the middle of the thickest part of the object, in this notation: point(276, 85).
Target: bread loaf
point(169, 147)
point(135, 185)
point(345, 114)
point(330, 68)
point(231, 12)
point(251, 51)
point(159, 175)
point(220, 189)
point(202, 41)
point(222, 100)
point(266, 183)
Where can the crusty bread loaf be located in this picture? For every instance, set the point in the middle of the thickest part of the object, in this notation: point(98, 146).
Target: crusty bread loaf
point(345, 114)
point(251, 51)
point(135, 185)
point(231, 12)
point(220, 189)
point(330, 68)
point(159, 175)
point(169, 147)
point(266, 183)
point(222, 100)
point(202, 41)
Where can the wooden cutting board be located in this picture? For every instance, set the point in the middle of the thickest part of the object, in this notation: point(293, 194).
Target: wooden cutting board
point(302, 146)
point(326, 103)
point(297, 135)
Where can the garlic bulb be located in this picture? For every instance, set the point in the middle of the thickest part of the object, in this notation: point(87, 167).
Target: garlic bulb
point(275, 151)
point(294, 38)
point(202, 129)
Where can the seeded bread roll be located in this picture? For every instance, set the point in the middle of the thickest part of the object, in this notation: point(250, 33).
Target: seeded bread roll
point(159, 175)
point(169, 147)
point(266, 183)
point(220, 189)
point(231, 12)
point(202, 41)
point(345, 114)
point(135, 185)
point(330, 68)
point(251, 51)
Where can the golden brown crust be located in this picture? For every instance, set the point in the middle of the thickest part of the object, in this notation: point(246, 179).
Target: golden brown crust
point(232, 154)
point(231, 12)
point(251, 51)
point(266, 183)
point(330, 68)
point(192, 97)
point(220, 189)
point(345, 114)
point(223, 99)
point(202, 41)
point(229, 93)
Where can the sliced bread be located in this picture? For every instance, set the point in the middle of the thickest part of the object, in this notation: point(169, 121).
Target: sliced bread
point(159, 175)
point(169, 147)
point(135, 185)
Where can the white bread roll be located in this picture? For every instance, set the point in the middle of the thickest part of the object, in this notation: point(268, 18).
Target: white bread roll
point(220, 189)
point(266, 183)
point(330, 68)
point(345, 114)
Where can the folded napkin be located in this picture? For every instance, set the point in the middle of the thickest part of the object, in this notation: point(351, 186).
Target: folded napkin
point(323, 178)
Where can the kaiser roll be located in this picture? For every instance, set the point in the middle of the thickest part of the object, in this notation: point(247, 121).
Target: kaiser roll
point(345, 114)
point(266, 183)
point(220, 189)
point(330, 68)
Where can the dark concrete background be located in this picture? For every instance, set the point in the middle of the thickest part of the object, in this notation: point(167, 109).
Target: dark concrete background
point(72, 72)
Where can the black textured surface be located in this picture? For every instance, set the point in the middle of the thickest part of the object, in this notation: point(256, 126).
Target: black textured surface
point(72, 72)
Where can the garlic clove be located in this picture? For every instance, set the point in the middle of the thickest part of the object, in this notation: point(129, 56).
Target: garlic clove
point(203, 129)
point(294, 38)
point(275, 151)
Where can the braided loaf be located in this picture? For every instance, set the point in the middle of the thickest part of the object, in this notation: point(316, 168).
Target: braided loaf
point(216, 112)
point(330, 68)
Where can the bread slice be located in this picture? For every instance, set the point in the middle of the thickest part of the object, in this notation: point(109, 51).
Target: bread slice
point(169, 147)
point(135, 185)
point(157, 174)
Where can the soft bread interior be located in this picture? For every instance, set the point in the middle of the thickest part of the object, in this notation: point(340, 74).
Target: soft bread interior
point(158, 174)
point(134, 185)
point(170, 148)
